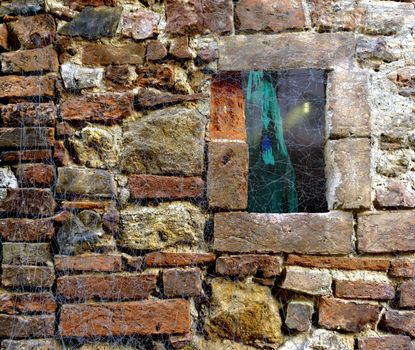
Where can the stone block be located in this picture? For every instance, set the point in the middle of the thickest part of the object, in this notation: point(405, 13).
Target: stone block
point(19, 326)
point(26, 137)
point(362, 289)
point(42, 155)
point(388, 342)
point(347, 316)
point(43, 59)
point(148, 317)
point(348, 165)
point(249, 264)
point(298, 316)
point(28, 201)
point(155, 51)
point(400, 322)
point(182, 282)
point(227, 179)
point(28, 230)
point(88, 263)
point(402, 268)
point(76, 77)
point(121, 286)
point(80, 4)
point(28, 114)
point(218, 16)
point(105, 55)
point(26, 253)
point(35, 175)
point(347, 111)
point(4, 36)
point(184, 16)
point(170, 259)
point(285, 51)
point(21, 7)
point(386, 232)
point(27, 86)
point(308, 281)
point(407, 294)
point(179, 47)
point(140, 24)
point(32, 344)
point(303, 233)
point(395, 195)
point(26, 303)
point(27, 276)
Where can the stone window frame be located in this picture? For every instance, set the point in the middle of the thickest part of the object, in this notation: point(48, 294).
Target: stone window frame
point(347, 135)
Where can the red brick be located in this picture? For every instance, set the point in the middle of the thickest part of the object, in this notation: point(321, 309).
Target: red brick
point(348, 316)
point(407, 294)
point(401, 322)
point(364, 290)
point(27, 230)
point(128, 318)
point(26, 156)
point(26, 137)
point(43, 59)
point(26, 303)
point(29, 114)
point(402, 268)
point(27, 276)
point(19, 326)
point(106, 108)
point(184, 16)
point(35, 175)
point(153, 186)
point(243, 265)
point(227, 120)
point(29, 201)
point(389, 342)
point(112, 287)
point(88, 262)
point(19, 86)
point(339, 262)
point(182, 282)
point(166, 259)
point(269, 15)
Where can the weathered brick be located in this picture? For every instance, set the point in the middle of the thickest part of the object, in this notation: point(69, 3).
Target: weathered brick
point(182, 282)
point(88, 262)
point(28, 201)
point(179, 47)
point(61, 155)
point(26, 137)
point(388, 342)
point(395, 195)
point(298, 316)
point(151, 97)
point(31, 344)
point(243, 265)
point(339, 262)
point(83, 181)
point(227, 179)
point(29, 114)
point(402, 268)
point(27, 276)
point(33, 31)
point(106, 286)
point(105, 108)
point(307, 233)
point(19, 86)
point(227, 119)
point(349, 181)
point(15, 230)
point(4, 36)
point(348, 112)
point(166, 259)
point(401, 322)
point(43, 59)
point(348, 316)
point(83, 204)
point(155, 51)
point(26, 253)
point(140, 24)
point(105, 55)
point(159, 76)
point(153, 186)
point(407, 294)
point(19, 326)
point(26, 303)
point(308, 281)
point(285, 51)
point(386, 232)
point(128, 318)
point(184, 17)
point(362, 289)
point(35, 175)
point(218, 16)
point(269, 15)
point(26, 156)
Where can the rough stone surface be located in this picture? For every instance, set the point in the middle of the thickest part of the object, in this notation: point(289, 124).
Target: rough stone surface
point(26, 137)
point(362, 289)
point(80, 4)
point(75, 76)
point(179, 47)
point(299, 315)
point(402, 268)
point(88, 263)
point(269, 15)
point(166, 259)
point(162, 226)
point(184, 17)
point(227, 179)
point(347, 315)
point(154, 143)
point(320, 339)
point(300, 233)
point(28, 114)
point(152, 97)
point(21, 7)
point(395, 195)
point(35, 175)
point(115, 319)
point(218, 16)
point(101, 54)
point(389, 342)
point(26, 253)
point(27, 276)
point(400, 322)
point(245, 311)
point(36, 326)
point(141, 24)
point(26, 303)
point(155, 51)
point(28, 201)
point(4, 36)
point(244, 265)
point(407, 294)
point(308, 281)
point(43, 59)
point(386, 232)
point(43, 155)
point(153, 186)
point(182, 282)
point(28, 230)
point(19, 86)
point(32, 344)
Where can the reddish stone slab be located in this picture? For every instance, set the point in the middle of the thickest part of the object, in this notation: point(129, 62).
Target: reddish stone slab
point(35, 175)
point(20, 86)
point(184, 16)
point(182, 282)
point(122, 319)
point(29, 201)
point(401, 322)
point(362, 289)
point(27, 137)
point(43, 59)
point(26, 230)
point(402, 268)
point(218, 16)
point(243, 265)
point(88, 262)
point(26, 303)
point(26, 156)
point(166, 259)
point(389, 342)
point(29, 114)
point(105, 55)
point(153, 186)
point(407, 294)
point(19, 326)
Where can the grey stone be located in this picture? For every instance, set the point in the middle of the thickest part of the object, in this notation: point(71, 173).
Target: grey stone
point(26, 253)
point(93, 23)
point(308, 281)
point(320, 339)
point(77, 77)
point(299, 315)
point(166, 225)
point(168, 141)
point(7, 180)
point(21, 7)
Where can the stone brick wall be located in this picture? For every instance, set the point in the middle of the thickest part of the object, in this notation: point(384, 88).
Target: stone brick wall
point(123, 177)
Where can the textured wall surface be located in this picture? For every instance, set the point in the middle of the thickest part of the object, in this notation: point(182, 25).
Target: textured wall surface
point(123, 177)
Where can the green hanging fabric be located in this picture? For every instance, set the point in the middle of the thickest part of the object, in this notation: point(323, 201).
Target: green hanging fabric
point(271, 180)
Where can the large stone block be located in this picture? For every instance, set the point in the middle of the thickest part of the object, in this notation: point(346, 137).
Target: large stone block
point(400, 322)
point(386, 232)
point(20, 86)
point(19, 326)
point(43, 59)
point(163, 226)
point(101, 54)
point(227, 179)
point(35, 175)
point(27, 137)
point(27, 276)
point(304, 233)
point(26, 253)
point(140, 24)
point(28, 230)
point(218, 16)
point(348, 166)
point(168, 141)
point(308, 281)
point(75, 76)
point(128, 318)
point(364, 289)
point(285, 51)
point(184, 16)
point(28, 201)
